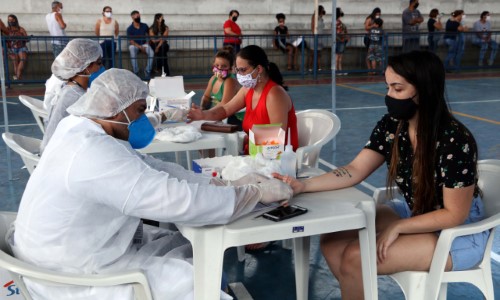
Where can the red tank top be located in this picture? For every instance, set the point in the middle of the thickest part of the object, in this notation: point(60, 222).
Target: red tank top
point(259, 115)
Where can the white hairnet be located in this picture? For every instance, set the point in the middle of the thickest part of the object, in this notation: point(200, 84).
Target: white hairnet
point(75, 57)
point(110, 93)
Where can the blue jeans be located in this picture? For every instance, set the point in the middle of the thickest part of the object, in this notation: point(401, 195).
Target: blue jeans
point(108, 47)
point(433, 40)
point(484, 47)
point(455, 52)
point(133, 57)
point(57, 48)
point(466, 251)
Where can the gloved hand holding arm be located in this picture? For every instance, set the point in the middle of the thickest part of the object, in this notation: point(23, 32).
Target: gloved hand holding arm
point(269, 191)
point(250, 178)
point(175, 114)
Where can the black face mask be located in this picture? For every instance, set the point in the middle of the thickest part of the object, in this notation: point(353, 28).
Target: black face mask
point(12, 24)
point(416, 5)
point(234, 19)
point(401, 109)
point(137, 20)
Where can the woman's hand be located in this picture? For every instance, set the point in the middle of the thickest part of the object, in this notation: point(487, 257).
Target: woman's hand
point(195, 113)
point(385, 240)
point(297, 186)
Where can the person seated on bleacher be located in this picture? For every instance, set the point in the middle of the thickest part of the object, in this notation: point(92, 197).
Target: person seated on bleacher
point(138, 33)
point(482, 38)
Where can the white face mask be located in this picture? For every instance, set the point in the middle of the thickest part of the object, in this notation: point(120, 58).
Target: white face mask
point(247, 80)
point(488, 18)
point(108, 14)
point(463, 18)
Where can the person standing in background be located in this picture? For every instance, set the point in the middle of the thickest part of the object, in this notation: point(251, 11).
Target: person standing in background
point(56, 26)
point(376, 50)
point(411, 20)
point(341, 41)
point(454, 38)
point(369, 24)
point(434, 25)
point(483, 39)
point(16, 46)
point(232, 32)
point(320, 29)
point(159, 32)
point(107, 26)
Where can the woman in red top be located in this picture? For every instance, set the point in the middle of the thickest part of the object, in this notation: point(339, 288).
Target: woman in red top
point(232, 32)
point(262, 93)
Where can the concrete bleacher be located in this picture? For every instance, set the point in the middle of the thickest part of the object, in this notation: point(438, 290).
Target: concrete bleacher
point(194, 24)
point(205, 17)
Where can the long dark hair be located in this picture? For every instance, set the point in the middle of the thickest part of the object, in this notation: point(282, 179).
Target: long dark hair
point(256, 56)
point(375, 11)
point(15, 18)
point(158, 29)
point(433, 115)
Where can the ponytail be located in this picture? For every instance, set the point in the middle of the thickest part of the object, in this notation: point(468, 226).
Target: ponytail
point(275, 75)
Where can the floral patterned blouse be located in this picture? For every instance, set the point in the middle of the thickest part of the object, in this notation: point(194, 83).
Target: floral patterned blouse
point(456, 158)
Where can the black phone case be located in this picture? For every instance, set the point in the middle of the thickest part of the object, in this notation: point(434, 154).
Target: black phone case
point(300, 211)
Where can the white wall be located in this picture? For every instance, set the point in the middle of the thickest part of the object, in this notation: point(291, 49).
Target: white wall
point(201, 17)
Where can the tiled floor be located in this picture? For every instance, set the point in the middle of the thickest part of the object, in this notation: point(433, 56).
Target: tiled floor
point(359, 102)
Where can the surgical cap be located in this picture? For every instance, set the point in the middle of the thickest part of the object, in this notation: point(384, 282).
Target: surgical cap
point(110, 93)
point(75, 57)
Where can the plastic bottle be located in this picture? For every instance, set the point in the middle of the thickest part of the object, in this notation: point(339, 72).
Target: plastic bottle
point(289, 159)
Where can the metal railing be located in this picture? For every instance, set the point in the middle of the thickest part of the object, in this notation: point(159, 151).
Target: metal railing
point(192, 56)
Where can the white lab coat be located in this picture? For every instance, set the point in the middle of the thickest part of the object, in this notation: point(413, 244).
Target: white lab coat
point(83, 204)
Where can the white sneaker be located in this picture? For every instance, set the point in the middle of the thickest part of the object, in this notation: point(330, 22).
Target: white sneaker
point(14, 77)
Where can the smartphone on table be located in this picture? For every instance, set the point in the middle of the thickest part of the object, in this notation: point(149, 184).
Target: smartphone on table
point(284, 212)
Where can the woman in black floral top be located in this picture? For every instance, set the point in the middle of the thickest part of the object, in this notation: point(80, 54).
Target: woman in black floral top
point(431, 157)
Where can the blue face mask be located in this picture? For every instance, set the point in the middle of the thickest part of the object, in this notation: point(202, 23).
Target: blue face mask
point(141, 132)
point(96, 74)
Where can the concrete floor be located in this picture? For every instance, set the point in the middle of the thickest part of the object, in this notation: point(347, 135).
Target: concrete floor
point(360, 103)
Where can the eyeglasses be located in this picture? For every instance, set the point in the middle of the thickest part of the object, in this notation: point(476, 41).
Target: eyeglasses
point(240, 70)
point(108, 11)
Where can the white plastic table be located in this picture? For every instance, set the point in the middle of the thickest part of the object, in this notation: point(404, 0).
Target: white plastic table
point(330, 211)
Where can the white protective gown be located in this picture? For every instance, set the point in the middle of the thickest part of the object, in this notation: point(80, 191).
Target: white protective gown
point(83, 204)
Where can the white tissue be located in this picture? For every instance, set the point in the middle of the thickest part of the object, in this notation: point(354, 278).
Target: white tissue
point(179, 134)
point(239, 166)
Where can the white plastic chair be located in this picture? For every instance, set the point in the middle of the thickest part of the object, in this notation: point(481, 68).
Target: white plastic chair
point(433, 284)
point(37, 109)
point(20, 270)
point(316, 127)
point(27, 147)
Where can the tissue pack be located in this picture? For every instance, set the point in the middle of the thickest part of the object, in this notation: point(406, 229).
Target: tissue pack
point(169, 92)
point(267, 139)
